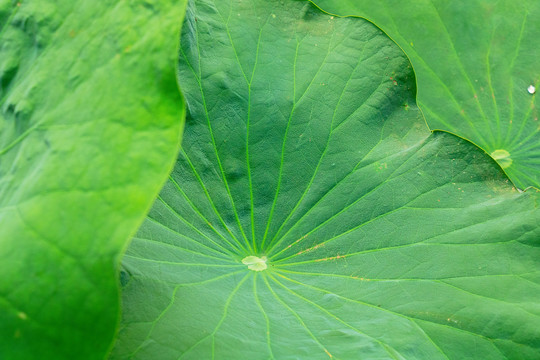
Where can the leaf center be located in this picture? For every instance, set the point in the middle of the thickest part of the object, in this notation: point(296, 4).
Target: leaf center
point(502, 157)
point(255, 263)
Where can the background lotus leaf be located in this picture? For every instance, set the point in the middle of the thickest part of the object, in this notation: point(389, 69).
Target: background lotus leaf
point(477, 68)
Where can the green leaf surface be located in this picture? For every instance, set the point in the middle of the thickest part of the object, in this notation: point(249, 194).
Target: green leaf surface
point(312, 215)
point(90, 122)
point(475, 62)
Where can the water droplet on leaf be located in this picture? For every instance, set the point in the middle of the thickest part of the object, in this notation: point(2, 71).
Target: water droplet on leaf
point(255, 263)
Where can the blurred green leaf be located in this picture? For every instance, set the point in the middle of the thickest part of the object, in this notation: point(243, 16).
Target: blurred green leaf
point(90, 122)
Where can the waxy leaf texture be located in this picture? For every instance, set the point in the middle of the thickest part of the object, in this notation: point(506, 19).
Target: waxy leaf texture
point(312, 214)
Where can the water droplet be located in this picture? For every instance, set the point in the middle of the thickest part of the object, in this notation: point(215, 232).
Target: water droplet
point(531, 89)
point(255, 263)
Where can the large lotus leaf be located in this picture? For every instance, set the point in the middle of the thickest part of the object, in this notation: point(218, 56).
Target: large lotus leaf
point(475, 63)
point(90, 122)
point(312, 215)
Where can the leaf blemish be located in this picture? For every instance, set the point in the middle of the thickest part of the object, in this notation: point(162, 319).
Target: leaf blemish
point(328, 353)
point(311, 249)
point(332, 258)
point(297, 241)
